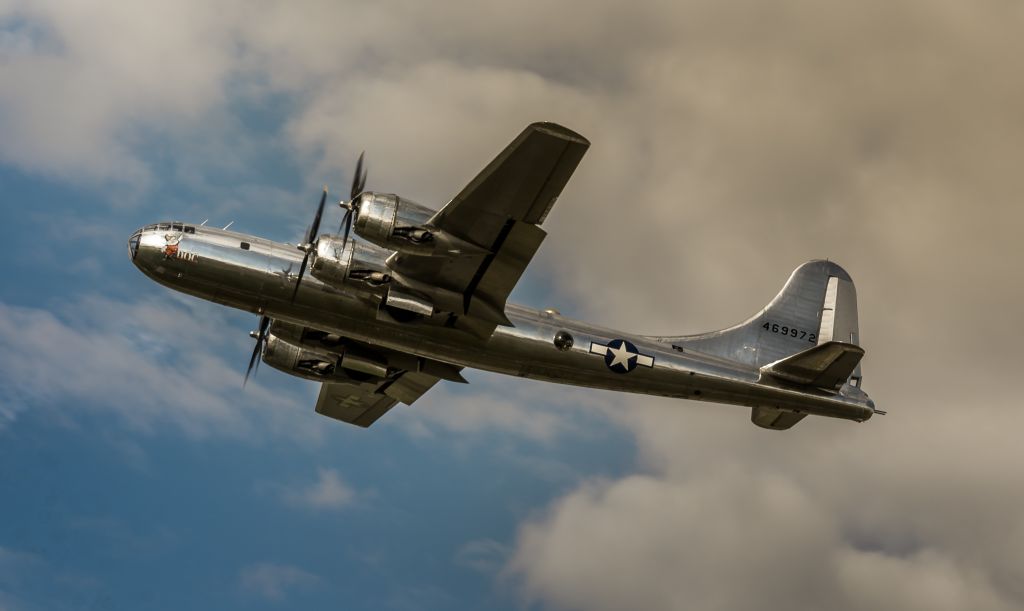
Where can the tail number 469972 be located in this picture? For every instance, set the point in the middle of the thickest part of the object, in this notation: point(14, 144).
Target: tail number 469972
point(775, 327)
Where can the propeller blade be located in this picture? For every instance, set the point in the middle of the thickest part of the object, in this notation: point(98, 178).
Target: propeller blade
point(298, 281)
point(307, 246)
point(344, 219)
point(358, 178)
point(352, 208)
point(260, 339)
point(315, 227)
point(346, 222)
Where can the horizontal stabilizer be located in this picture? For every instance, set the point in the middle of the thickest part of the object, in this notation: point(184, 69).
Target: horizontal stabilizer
point(776, 419)
point(827, 365)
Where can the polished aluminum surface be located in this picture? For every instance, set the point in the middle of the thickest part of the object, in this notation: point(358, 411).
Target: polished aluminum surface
point(721, 367)
point(384, 324)
point(394, 223)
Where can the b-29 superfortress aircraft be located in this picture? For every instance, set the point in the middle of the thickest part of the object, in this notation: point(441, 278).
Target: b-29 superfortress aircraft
point(380, 320)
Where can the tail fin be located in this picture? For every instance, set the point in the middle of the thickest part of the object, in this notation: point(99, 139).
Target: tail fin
point(817, 305)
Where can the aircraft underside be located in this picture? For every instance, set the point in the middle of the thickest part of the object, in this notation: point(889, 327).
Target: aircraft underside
point(381, 320)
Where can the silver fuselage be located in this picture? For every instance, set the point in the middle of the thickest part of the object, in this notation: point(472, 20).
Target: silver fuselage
point(259, 275)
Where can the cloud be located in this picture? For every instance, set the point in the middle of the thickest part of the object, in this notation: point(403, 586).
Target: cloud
point(15, 565)
point(482, 555)
point(728, 540)
point(16, 570)
point(275, 582)
point(328, 492)
point(910, 512)
point(73, 102)
point(525, 409)
point(875, 137)
point(24, 576)
point(731, 142)
point(74, 105)
point(151, 362)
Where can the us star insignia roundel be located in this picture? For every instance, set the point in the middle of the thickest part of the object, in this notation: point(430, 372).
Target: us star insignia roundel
point(621, 356)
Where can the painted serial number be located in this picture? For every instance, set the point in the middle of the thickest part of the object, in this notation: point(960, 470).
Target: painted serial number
point(775, 327)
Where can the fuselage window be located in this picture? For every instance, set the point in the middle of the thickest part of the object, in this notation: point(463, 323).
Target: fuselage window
point(244, 245)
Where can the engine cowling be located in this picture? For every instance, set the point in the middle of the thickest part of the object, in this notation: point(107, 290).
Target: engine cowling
point(321, 365)
point(350, 265)
point(396, 223)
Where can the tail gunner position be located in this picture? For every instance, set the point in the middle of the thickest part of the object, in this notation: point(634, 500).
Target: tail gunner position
point(381, 320)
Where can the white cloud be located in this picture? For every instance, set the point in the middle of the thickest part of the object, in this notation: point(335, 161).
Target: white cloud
point(151, 362)
point(912, 511)
point(273, 581)
point(88, 77)
point(528, 410)
point(731, 538)
point(328, 492)
point(730, 143)
point(483, 555)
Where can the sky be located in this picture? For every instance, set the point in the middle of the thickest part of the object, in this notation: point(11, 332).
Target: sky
point(731, 143)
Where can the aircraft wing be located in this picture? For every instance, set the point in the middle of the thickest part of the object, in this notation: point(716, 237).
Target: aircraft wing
point(365, 381)
point(363, 403)
point(498, 211)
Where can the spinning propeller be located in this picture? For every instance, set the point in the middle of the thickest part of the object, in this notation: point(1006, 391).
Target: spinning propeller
point(351, 207)
point(261, 338)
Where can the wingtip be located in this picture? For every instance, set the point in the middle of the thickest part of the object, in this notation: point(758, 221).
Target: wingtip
point(559, 131)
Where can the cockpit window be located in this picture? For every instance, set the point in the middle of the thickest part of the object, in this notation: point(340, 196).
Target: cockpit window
point(133, 245)
point(164, 226)
point(149, 228)
point(190, 229)
point(177, 227)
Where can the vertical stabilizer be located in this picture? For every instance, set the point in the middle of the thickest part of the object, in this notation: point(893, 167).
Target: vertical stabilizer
point(817, 305)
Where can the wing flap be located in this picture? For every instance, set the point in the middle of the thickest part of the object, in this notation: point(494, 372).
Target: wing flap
point(410, 386)
point(499, 211)
point(485, 296)
point(827, 365)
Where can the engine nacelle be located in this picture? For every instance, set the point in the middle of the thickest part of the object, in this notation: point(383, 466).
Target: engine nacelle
point(351, 265)
point(395, 223)
point(299, 361)
point(320, 365)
